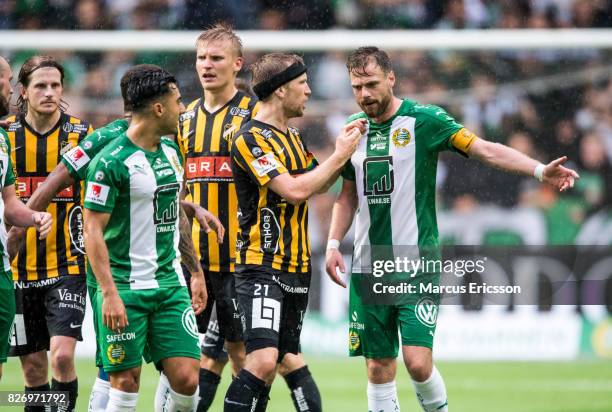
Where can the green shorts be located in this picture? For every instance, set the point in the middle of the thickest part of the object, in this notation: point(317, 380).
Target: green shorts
point(91, 292)
point(373, 328)
point(7, 312)
point(160, 319)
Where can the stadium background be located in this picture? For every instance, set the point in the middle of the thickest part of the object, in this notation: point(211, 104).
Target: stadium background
point(543, 101)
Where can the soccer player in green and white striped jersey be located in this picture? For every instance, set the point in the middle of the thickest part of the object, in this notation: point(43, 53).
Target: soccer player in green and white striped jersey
point(12, 212)
point(389, 184)
point(132, 206)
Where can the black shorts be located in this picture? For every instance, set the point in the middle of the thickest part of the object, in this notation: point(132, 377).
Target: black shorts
point(272, 309)
point(213, 345)
point(222, 296)
point(46, 308)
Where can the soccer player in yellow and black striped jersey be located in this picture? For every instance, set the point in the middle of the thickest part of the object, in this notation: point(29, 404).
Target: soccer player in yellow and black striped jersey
point(275, 175)
point(205, 134)
point(49, 274)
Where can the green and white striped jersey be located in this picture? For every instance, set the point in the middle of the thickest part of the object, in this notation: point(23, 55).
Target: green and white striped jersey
point(140, 190)
point(394, 169)
point(7, 177)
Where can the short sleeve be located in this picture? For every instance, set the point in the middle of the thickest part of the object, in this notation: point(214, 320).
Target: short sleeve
point(255, 155)
point(105, 179)
point(438, 128)
point(78, 158)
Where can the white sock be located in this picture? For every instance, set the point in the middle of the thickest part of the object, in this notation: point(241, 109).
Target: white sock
point(162, 393)
point(432, 393)
point(119, 401)
point(181, 403)
point(99, 396)
point(382, 397)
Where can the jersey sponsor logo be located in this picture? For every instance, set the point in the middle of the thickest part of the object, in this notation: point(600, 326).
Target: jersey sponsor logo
point(165, 205)
point(190, 114)
point(119, 337)
point(77, 158)
point(87, 145)
point(426, 311)
point(28, 185)
point(265, 314)
point(115, 353)
point(97, 193)
point(14, 126)
point(401, 137)
point(237, 111)
point(75, 222)
point(269, 230)
point(115, 152)
point(209, 167)
point(264, 164)
point(190, 324)
point(266, 133)
point(74, 127)
point(378, 179)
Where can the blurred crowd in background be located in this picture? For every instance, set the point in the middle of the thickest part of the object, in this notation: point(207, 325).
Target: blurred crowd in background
point(546, 103)
point(303, 14)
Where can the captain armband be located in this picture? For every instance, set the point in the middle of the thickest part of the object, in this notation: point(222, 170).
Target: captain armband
point(463, 140)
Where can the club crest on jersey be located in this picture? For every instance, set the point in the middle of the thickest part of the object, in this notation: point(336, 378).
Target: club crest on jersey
point(401, 137)
point(228, 132)
point(65, 146)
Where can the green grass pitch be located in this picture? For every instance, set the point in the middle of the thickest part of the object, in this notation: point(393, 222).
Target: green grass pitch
point(581, 386)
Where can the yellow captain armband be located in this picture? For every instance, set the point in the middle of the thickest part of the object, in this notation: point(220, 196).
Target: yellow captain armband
point(463, 140)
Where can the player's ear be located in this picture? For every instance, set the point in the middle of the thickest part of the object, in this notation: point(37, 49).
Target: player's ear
point(158, 109)
point(391, 78)
point(281, 91)
point(238, 64)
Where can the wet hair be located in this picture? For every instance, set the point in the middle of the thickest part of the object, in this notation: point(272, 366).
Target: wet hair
point(143, 84)
point(359, 59)
point(25, 73)
point(219, 32)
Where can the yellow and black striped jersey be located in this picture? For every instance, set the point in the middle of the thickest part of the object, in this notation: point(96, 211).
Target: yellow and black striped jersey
point(273, 232)
point(205, 141)
point(35, 155)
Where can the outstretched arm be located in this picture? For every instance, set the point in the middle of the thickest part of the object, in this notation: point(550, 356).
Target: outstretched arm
point(510, 160)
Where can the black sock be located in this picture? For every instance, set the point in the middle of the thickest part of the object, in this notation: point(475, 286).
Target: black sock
point(44, 387)
point(73, 390)
point(264, 397)
point(209, 381)
point(243, 392)
point(304, 391)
